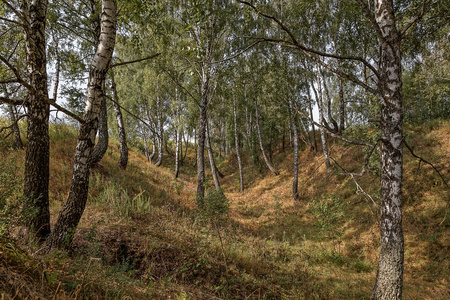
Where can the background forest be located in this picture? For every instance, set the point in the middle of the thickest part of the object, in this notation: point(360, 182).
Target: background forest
point(224, 149)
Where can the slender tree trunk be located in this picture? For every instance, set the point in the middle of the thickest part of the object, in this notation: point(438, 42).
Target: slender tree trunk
point(37, 159)
point(238, 154)
point(308, 137)
point(261, 147)
point(123, 160)
point(201, 142)
point(322, 123)
point(195, 147)
point(389, 280)
point(211, 159)
point(341, 106)
point(12, 116)
point(146, 150)
point(295, 133)
point(312, 118)
point(152, 155)
point(335, 128)
point(177, 152)
point(161, 133)
point(103, 137)
point(73, 209)
point(15, 127)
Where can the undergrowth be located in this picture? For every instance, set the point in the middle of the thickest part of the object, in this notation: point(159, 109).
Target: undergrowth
point(142, 238)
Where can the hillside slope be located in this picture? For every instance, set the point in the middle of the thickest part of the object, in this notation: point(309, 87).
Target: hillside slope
point(141, 236)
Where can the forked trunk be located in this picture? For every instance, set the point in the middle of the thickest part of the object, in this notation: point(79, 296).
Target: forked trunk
point(73, 209)
point(103, 137)
point(211, 160)
point(261, 147)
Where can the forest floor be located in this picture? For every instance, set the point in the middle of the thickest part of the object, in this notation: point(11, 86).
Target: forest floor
point(141, 236)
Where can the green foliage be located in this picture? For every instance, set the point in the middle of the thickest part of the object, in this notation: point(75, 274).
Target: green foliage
point(10, 190)
point(330, 216)
point(216, 204)
point(121, 203)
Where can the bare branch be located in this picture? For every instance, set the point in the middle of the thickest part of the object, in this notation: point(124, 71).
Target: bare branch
point(372, 20)
point(134, 61)
point(425, 161)
point(416, 18)
point(237, 54)
point(11, 101)
point(11, 21)
point(17, 13)
point(309, 51)
point(133, 115)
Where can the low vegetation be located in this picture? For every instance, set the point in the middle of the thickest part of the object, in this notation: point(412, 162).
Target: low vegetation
point(141, 236)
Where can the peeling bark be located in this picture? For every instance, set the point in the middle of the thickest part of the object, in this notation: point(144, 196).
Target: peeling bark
point(389, 280)
point(73, 209)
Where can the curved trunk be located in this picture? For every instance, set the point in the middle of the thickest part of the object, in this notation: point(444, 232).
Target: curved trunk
point(103, 136)
point(211, 160)
point(73, 209)
point(258, 130)
point(295, 133)
point(37, 156)
point(238, 154)
point(123, 160)
point(389, 280)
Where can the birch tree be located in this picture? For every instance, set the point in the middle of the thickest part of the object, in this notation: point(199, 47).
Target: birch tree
point(73, 208)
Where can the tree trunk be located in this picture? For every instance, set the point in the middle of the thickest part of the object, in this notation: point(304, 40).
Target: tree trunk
point(14, 126)
point(177, 152)
point(161, 133)
point(201, 143)
point(312, 118)
point(322, 123)
point(341, 106)
point(152, 155)
point(261, 147)
point(37, 159)
point(238, 154)
point(73, 209)
point(211, 159)
point(295, 133)
point(123, 160)
point(103, 136)
point(389, 280)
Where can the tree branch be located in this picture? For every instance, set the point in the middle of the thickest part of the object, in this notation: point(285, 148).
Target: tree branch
point(416, 18)
point(17, 13)
point(133, 115)
point(307, 51)
point(425, 161)
point(134, 61)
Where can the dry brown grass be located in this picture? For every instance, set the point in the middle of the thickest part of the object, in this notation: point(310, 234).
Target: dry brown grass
point(268, 247)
